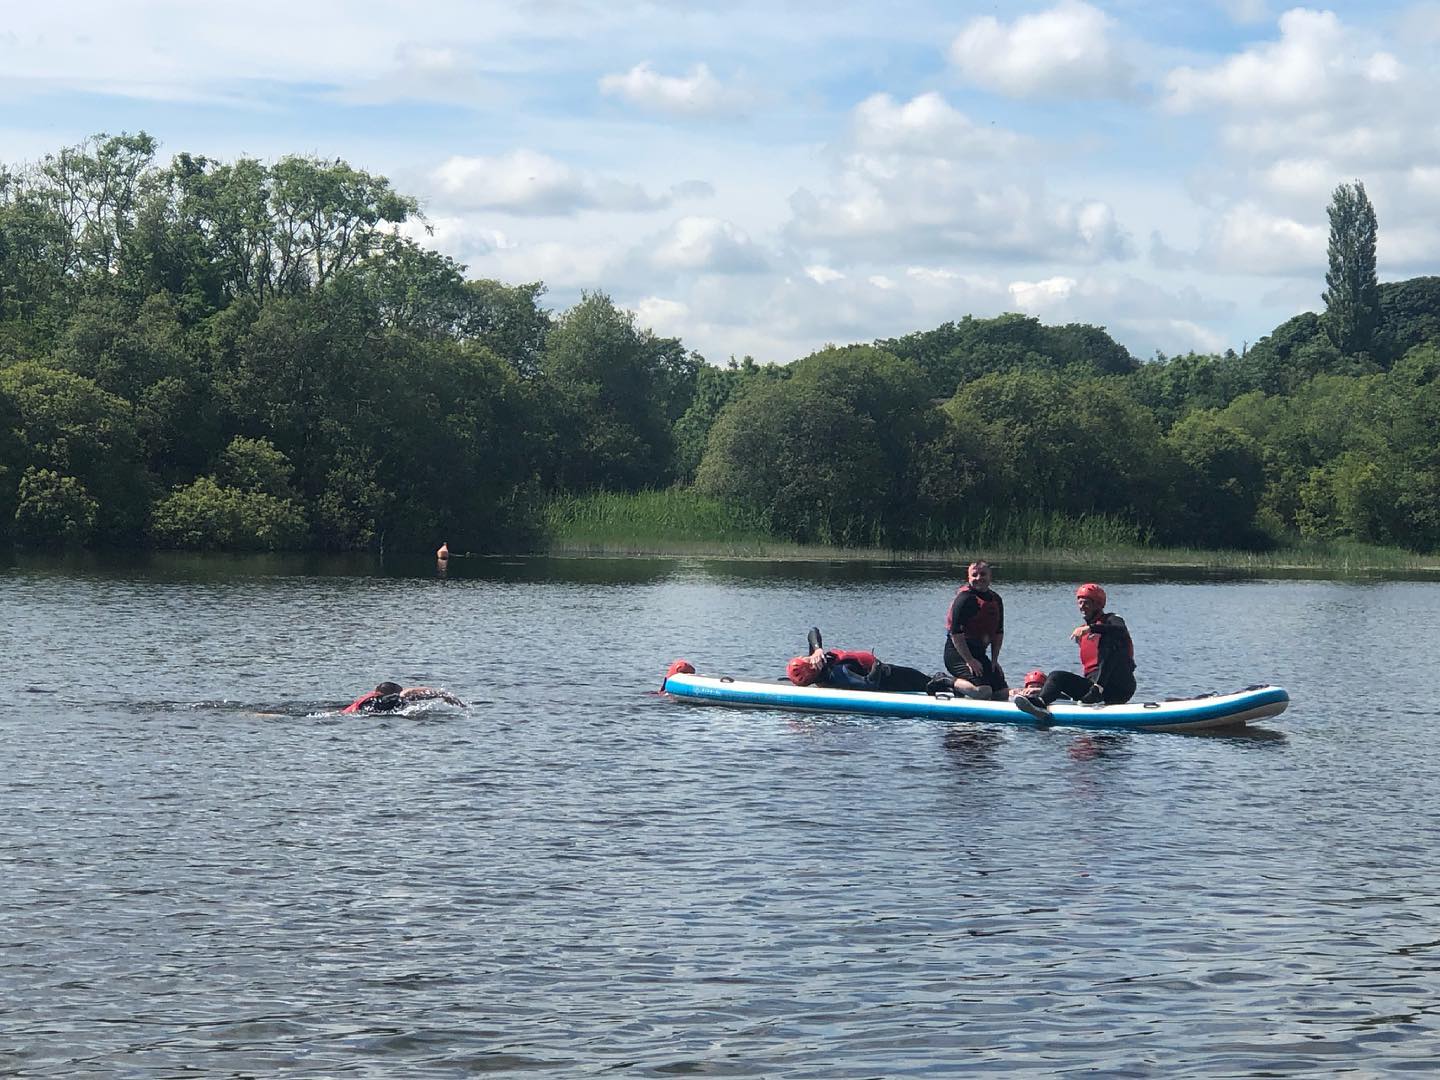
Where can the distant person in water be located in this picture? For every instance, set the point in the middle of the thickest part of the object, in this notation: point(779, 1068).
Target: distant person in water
point(391, 697)
point(851, 669)
point(443, 552)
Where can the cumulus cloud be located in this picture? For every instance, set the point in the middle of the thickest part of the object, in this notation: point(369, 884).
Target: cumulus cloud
point(1315, 62)
point(936, 208)
point(928, 125)
point(1139, 314)
point(1249, 239)
point(1066, 50)
point(707, 245)
point(697, 93)
point(530, 183)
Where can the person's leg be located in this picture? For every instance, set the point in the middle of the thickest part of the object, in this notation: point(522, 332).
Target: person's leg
point(965, 681)
point(1120, 691)
point(844, 676)
point(1064, 684)
point(896, 678)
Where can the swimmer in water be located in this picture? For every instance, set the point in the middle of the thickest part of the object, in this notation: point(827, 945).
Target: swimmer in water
point(391, 697)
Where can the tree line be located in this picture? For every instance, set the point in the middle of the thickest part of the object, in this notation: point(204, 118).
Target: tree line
point(250, 355)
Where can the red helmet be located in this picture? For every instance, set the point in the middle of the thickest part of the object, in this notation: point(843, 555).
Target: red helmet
point(1035, 678)
point(1091, 592)
point(801, 671)
point(680, 667)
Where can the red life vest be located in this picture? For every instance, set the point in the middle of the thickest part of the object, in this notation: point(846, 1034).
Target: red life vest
point(985, 623)
point(839, 656)
point(1090, 649)
point(361, 701)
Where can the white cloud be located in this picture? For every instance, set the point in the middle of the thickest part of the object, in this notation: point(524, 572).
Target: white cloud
point(1065, 50)
point(707, 245)
point(528, 182)
point(1248, 239)
point(697, 93)
point(934, 207)
point(1315, 62)
point(822, 275)
point(1138, 313)
point(926, 125)
point(1301, 180)
point(667, 318)
point(1036, 297)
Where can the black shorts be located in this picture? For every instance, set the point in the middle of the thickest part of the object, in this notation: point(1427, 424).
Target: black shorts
point(957, 667)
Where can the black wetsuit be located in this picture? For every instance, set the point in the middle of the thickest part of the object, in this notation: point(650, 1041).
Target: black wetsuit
point(1111, 679)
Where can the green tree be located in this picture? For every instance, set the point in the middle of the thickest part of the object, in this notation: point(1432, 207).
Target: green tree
point(803, 459)
point(205, 515)
point(1220, 484)
point(715, 388)
point(607, 382)
point(1352, 292)
point(53, 510)
point(69, 426)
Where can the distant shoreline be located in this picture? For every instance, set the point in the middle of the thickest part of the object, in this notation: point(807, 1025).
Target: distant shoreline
point(1359, 560)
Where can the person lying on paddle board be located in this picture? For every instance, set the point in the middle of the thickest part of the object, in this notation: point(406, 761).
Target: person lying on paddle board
point(975, 625)
point(1107, 656)
point(851, 669)
point(391, 697)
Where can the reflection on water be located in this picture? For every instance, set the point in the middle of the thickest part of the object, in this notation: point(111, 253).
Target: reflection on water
point(210, 871)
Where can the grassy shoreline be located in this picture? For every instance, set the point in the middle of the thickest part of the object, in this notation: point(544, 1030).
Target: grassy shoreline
point(679, 523)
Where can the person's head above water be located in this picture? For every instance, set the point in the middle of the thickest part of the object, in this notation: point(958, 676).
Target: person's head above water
point(385, 689)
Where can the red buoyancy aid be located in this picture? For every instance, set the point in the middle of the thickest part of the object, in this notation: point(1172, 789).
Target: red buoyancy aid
point(1090, 648)
point(985, 623)
point(839, 656)
point(360, 702)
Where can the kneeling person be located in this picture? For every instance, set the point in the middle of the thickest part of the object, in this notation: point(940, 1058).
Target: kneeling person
point(975, 626)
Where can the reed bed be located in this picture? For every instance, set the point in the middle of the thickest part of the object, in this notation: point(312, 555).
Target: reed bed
point(680, 522)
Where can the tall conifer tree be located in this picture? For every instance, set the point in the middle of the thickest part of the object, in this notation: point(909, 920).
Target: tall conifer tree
point(1352, 293)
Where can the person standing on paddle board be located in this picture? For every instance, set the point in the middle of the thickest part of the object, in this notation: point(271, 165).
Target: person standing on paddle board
point(1107, 655)
point(974, 625)
point(391, 697)
point(851, 669)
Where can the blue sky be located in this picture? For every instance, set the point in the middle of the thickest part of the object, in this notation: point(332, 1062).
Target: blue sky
point(766, 178)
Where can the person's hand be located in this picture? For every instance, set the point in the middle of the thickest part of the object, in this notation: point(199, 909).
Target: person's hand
point(1079, 632)
point(976, 668)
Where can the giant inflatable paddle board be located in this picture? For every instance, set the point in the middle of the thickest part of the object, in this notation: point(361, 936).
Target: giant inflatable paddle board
point(1188, 714)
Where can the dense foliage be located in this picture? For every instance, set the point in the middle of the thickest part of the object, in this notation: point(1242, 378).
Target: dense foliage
point(245, 355)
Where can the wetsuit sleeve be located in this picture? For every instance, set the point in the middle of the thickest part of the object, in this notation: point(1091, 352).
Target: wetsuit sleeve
point(1000, 622)
point(1115, 662)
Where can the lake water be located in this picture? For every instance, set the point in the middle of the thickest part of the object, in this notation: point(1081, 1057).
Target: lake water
point(206, 871)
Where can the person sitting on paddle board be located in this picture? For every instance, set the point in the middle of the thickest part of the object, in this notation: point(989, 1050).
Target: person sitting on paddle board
point(391, 697)
point(1107, 655)
point(974, 624)
point(851, 669)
